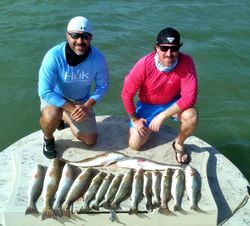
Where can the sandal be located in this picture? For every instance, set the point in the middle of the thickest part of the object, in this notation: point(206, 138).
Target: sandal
point(182, 153)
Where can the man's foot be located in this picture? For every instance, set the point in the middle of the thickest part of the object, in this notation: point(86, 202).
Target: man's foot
point(179, 154)
point(49, 148)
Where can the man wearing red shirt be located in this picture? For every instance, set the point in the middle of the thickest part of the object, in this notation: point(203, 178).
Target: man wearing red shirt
point(166, 83)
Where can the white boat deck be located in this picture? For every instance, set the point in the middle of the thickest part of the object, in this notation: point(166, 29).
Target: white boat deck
point(224, 189)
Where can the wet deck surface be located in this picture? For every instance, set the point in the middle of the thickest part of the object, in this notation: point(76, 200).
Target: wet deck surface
point(224, 187)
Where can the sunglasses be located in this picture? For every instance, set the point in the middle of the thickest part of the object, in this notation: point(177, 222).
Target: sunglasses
point(172, 48)
point(78, 35)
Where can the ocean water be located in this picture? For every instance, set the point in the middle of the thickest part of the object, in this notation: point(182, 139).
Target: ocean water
point(215, 33)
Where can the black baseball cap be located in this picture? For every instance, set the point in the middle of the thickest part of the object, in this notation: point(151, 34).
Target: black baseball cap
point(169, 36)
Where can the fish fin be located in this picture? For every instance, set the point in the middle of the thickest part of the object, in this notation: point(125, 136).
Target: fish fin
point(164, 210)
point(31, 210)
point(83, 209)
point(105, 205)
point(58, 211)
point(156, 204)
point(66, 211)
point(199, 196)
point(133, 210)
point(177, 207)
point(109, 162)
point(149, 207)
point(95, 206)
point(194, 207)
point(48, 213)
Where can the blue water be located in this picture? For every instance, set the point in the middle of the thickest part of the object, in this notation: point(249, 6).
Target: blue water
point(216, 34)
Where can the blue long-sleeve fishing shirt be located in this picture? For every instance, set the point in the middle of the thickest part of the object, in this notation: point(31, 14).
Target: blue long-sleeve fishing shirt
point(58, 81)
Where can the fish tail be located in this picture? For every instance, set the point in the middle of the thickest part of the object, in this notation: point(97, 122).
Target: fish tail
point(194, 207)
point(133, 210)
point(66, 211)
point(149, 206)
point(48, 213)
point(113, 205)
point(57, 211)
point(156, 204)
point(31, 210)
point(83, 209)
point(95, 206)
point(164, 210)
point(105, 205)
point(177, 207)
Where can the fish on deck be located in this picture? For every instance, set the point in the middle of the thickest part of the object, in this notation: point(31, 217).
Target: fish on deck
point(104, 159)
point(51, 182)
point(35, 189)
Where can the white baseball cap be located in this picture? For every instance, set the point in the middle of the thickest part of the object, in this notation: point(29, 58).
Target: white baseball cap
point(79, 23)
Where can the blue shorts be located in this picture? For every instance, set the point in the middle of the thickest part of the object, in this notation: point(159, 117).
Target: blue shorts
point(149, 111)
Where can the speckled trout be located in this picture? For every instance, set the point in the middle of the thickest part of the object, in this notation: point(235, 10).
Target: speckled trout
point(156, 188)
point(177, 188)
point(51, 182)
point(147, 190)
point(67, 179)
point(104, 159)
point(92, 190)
point(124, 189)
point(102, 191)
point(35, 189)
point(113, 187)
point(137, 191)
point(192, 186)
point(77, 190)
point(165, 192)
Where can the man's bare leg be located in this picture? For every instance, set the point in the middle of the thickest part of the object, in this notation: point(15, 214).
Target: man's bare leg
point(49, 121)
point(136, 140)
point(188, 124)
point(87, 138)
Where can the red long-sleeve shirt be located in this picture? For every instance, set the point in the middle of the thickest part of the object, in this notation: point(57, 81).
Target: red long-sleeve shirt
point(156, 87)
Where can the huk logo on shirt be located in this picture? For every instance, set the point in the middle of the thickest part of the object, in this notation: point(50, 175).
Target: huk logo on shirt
point(76, 77)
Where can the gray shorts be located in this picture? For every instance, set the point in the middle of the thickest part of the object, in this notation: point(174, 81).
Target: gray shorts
point(88, 125)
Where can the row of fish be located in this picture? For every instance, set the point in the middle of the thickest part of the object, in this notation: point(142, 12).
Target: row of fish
point(60, 187)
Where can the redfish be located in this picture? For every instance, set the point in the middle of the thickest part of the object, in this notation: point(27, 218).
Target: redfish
point(51, 182)
point(35, 189)
point(67, 179)
point(77, 189)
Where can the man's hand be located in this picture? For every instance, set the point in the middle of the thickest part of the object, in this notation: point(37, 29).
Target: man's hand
point(138, 124)
point(79, 112)
point(156, 123)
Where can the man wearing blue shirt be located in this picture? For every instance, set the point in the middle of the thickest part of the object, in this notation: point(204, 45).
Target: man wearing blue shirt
point(65, 78)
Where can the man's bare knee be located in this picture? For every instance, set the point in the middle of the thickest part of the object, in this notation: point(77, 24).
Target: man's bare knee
point(88, 139)
point(134, 146)
point(51, 114)
point(190, 116)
